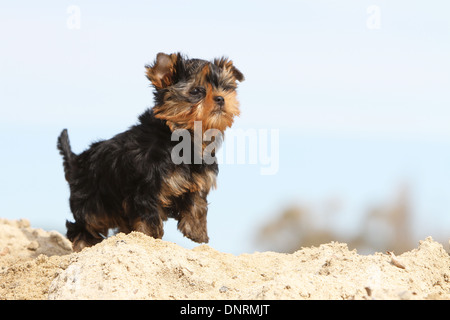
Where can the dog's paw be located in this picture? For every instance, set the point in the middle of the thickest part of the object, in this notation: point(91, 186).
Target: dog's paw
point(194, 230)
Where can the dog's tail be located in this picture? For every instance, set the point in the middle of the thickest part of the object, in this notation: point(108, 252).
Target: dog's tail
point(63, 146)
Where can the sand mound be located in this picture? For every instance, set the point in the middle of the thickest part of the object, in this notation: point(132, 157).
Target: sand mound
point(135, 266)
point(29, 259)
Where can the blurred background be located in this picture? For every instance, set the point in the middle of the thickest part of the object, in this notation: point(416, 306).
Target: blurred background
point(355, 93)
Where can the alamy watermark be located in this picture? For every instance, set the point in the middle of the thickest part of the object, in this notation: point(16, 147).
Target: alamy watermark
point(73, 21)
point(373, 21)
point(238, 146)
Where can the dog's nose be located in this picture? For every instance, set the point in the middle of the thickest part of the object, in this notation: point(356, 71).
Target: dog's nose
point(219, 100)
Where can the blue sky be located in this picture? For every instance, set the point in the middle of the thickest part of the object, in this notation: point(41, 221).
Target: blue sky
point(358, 110)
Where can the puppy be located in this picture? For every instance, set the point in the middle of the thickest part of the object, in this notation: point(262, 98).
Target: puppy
point(130, 182)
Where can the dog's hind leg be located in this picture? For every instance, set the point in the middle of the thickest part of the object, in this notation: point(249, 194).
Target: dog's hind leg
point(80, 237)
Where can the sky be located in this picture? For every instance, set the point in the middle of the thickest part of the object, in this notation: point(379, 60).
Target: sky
point(354, 93)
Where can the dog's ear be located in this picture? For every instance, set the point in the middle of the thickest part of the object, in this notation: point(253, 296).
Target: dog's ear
point(162, 72)
point(226, 64)
point(238, 75)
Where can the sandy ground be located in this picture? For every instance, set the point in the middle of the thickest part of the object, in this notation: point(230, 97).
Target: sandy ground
point(37, 264)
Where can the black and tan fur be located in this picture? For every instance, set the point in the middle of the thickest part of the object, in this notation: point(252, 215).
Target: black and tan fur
point(129, 182)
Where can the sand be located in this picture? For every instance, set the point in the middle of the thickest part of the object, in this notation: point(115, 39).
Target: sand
point(39, 264)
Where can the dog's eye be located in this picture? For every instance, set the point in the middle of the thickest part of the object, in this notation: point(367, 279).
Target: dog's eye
point(197, 91)
point(229, 88)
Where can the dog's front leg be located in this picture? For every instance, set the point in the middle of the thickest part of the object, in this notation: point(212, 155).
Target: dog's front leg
point(143, 216)
point(192, 218)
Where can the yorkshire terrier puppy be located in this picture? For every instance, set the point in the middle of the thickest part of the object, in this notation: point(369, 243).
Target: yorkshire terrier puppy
point(130, 182)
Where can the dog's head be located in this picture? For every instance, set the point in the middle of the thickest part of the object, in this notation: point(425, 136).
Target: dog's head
point(189, 90)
